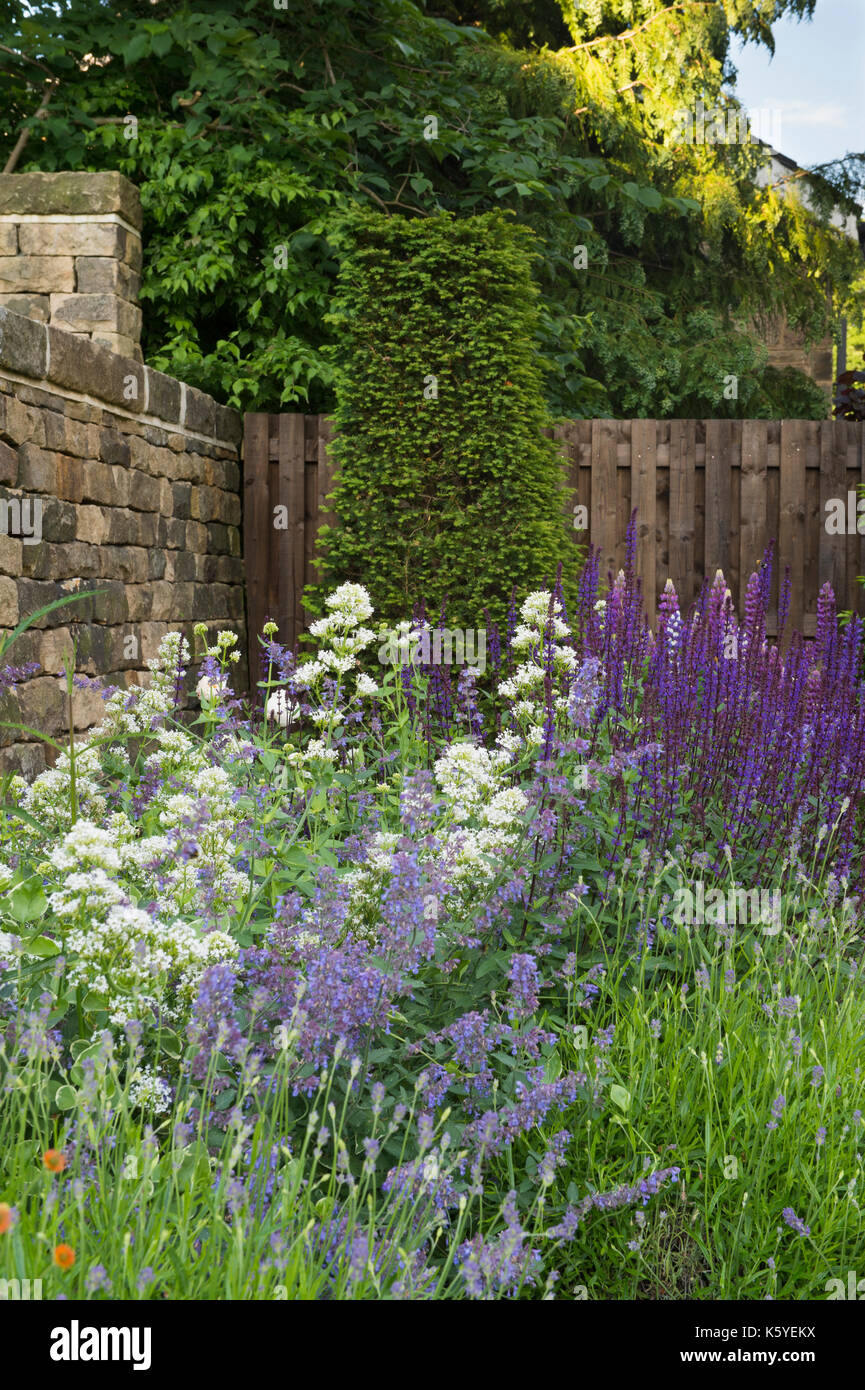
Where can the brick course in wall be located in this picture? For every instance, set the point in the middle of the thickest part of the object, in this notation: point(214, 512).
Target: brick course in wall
point(138, 477)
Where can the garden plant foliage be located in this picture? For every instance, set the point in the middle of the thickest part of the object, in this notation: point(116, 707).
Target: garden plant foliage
point(250, 128)
point(388, 991)
point(444, 480)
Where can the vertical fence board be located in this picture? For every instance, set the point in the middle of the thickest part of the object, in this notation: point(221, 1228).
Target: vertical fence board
point(719, 519)
point(256, 538)
point(604, 493)
point(683, 450)
point(753, 527)
point(291, 473)
point(833, 484)
point(644, 446)
point(324, 479)
point(791, 522)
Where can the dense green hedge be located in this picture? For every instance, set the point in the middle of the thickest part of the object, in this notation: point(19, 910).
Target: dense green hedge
point(446, 485)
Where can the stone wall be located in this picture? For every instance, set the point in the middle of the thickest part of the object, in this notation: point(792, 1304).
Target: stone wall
point(70, 254)
point(112, 477)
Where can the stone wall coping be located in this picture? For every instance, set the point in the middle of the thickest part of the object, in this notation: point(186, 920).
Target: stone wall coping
point(71, 365)
point(77, 218)
point(66, 193)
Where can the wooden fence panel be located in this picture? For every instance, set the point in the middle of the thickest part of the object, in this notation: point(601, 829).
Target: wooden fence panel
point(710, 494)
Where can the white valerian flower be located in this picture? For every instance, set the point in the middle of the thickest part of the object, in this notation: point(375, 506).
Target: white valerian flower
point(366, 685)
point(93, 893)
point(85, 845)
point(352, 602)
point(307, 674)
point(315, 751)
point(6, 875)
point(150, 1092)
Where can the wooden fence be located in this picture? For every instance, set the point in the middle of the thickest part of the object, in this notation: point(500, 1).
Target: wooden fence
point(286, 479)
point(709, 494)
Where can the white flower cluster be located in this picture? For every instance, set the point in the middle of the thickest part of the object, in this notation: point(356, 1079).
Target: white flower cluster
point(468, 775)
point(191, 794)
point(134, 713)
point(341, 629)
point(480, 828)
point(49, 797)
point(541, 636)
point(131, 959)
point(149, 1092)
point(470, 778)
point(343, 637)
point(119, 951)
point(368, 882)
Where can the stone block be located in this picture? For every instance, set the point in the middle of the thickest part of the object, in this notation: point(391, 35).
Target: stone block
point(72, 193)
point(8, 239)
point(106, 275)
point(163, 399)
point(228, 424)
point(59, 521)
point(125, 562)
point(37, 274)
point(200, 411)
point(22, 344)
point(11, 555)
point(71, 239)
point(91, 525)
point(8, 465)
point(113, 448)
point(71, 436)
point(87, 367)
point(120, 344)
point(30, 306)
point(108, 486)
point(96, 313)
point(9, 602)
point(37, 469)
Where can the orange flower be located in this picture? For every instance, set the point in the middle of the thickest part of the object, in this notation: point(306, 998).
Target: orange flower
point(54, 1160)
point(64, 1256)
point(6, 1222)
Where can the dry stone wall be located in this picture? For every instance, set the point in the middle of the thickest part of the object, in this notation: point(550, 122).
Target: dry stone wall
point(113, 477)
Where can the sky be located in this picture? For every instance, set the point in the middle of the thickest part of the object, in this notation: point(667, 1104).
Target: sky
point(814, 87)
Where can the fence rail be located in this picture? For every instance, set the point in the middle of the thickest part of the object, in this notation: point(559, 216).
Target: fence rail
point(710, 494)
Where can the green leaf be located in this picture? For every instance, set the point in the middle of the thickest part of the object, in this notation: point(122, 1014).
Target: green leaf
point(42, 946)
point(620, 1097)
point(553, 1068)
point(27, 902)
point(66, 1097)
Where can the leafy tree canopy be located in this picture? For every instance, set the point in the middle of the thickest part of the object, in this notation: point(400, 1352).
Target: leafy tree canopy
point(257, 123)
